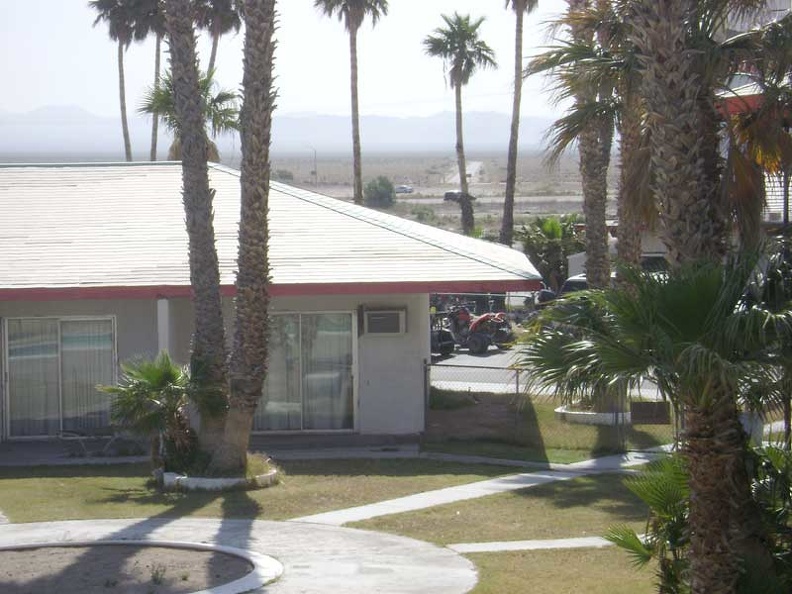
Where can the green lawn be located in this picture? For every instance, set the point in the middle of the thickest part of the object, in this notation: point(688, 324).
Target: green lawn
point(122, 491)
point(586, 506)
point(573, 571)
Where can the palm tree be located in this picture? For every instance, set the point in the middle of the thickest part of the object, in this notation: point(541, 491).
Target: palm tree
point(119, 16)
point(218, 17)
point(251, 331)
point(352, 13)
point(208, 356)
point(151, 400)
point(585, 72)
point(663, 487)
point(696, 337)
point(520, 7)
point(462, 51)
point(548, 241)
point(222, 113)
point(150, 19)
point(675, 46)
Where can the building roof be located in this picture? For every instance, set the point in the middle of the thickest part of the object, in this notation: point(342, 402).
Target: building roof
point(117, 230)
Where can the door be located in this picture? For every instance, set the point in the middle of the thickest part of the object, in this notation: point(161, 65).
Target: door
point(53, 368)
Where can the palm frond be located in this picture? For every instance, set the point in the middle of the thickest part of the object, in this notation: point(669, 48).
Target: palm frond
point(627, 539)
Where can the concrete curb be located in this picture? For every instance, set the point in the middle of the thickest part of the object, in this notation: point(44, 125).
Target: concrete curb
point(265, 569)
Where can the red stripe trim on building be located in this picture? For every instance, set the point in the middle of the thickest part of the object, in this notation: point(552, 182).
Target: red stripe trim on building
point(288, 290)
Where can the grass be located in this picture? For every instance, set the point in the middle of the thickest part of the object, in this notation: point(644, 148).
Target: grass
point(308, 487)
point(585, 506)
point(573, 571)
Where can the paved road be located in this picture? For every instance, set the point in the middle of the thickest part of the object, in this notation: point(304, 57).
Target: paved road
point(490, 373)
point(524, 200)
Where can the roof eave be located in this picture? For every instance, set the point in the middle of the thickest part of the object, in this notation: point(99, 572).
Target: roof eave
point(276, 290)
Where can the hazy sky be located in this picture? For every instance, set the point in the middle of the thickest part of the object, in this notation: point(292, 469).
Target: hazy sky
point(53, 56)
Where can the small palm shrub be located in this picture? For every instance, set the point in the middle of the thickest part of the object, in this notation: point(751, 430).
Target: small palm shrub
point(663, 487)
point(151, 401)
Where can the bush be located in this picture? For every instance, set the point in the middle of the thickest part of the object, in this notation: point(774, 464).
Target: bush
point(283, 175)
point(423, 214)
point(379, 192)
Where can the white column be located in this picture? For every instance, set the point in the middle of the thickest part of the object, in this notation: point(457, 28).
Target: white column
point(163, 325)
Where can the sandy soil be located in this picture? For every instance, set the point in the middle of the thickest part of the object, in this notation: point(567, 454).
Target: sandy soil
point(116, 569)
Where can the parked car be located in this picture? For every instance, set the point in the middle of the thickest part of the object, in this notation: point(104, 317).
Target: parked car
point(455, 195)
point(573, 283)
point(404, 189)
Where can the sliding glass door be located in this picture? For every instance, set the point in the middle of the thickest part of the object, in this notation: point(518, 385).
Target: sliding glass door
point(53, 369)
point(309, 382)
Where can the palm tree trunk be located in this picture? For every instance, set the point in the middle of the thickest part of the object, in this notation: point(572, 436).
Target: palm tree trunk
point(122, 102)
point(725, 526)
point(249, 355)
point(213, 55)
point(465, 203)
point(683, 133)
point(155, 116)
point(208, 357)
point(594, 145)
point(631, 184)
point(357, 173)
point(507, 225)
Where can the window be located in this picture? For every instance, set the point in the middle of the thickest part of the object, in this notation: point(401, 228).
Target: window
point(54, 366)
point(309, 378)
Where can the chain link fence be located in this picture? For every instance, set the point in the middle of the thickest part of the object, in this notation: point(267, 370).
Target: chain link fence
point(485, 410)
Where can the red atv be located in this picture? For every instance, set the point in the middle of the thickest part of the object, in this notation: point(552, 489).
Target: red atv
point(478, 333)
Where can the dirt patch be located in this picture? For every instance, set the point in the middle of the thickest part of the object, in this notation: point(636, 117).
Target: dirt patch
point(127, 569)
point(487, 416)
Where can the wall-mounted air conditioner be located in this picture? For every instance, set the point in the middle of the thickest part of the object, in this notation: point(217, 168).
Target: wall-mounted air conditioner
point(384, 321)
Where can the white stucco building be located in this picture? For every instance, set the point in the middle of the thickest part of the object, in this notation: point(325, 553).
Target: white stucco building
point(94, 271)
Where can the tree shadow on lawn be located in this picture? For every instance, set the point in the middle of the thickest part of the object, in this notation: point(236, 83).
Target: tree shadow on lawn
point(239, 511)
point(606, 491)
point(385, 467)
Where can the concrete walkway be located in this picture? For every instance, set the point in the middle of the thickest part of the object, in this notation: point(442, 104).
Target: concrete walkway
point(478, 489)
point(530, 545)
point(316, 559)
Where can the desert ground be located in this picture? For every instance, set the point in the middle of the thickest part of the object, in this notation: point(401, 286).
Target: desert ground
point(541, 189)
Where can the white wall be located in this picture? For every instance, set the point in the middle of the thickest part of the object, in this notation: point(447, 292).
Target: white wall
point(389, 370)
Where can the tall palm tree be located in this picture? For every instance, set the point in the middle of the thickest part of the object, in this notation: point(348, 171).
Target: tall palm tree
point(352, 13)
point(217, 17)
point(585, 72)
point(150, 20)
point(463, 52)
point(249, 353)
point(695, 336)
point(594, 145)
point(119, 16)
point(208, 357)
point(222, 113)
point(520, 7)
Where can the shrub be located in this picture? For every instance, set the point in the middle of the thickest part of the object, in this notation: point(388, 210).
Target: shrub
point(379, 192)
point(283, 175)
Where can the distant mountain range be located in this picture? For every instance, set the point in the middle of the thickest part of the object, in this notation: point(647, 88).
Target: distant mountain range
point(70, 130)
